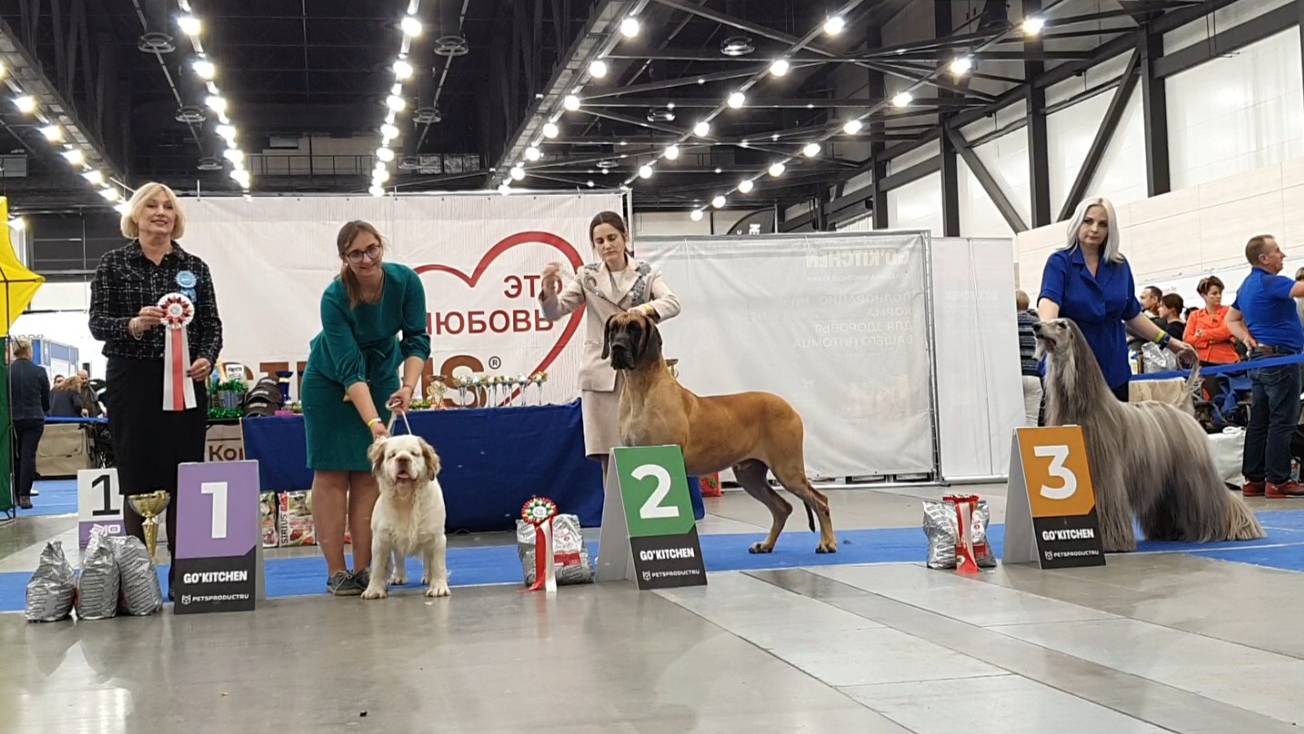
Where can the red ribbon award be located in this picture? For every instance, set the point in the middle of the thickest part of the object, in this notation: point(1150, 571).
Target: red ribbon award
point(966, 560)
point(178, 388)
point(539, 512)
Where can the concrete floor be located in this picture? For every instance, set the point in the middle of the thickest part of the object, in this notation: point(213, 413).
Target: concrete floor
point(1148, 643)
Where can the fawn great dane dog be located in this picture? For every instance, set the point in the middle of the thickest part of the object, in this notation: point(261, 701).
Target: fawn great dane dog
point(752, 432)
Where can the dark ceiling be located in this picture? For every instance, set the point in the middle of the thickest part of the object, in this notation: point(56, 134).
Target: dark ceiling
point(321, 69)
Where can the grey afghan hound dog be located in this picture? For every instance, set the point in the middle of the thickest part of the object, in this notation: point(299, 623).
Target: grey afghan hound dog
point(1149, 458)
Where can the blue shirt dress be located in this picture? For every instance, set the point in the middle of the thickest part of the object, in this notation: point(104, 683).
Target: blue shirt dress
point(1099, 304)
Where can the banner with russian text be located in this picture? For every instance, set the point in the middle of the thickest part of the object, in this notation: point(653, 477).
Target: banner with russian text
point(479, 257)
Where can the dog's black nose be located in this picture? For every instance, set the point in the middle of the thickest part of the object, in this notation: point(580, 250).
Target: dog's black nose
point(1036, 328)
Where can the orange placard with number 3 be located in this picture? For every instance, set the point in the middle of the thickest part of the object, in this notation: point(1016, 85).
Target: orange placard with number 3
point(1056, 471)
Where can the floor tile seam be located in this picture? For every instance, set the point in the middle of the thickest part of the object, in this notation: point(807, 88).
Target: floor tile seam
point(1053, 651)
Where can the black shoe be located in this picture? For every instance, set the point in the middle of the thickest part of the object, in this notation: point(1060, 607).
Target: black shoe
point(343, 584)
point(25, 503)
point(362, 579)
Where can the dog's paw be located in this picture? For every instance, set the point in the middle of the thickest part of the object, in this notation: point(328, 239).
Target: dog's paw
point(439, 588)
point(397, 580)
point(760, 548)
point(826, 548)
point(374, 593)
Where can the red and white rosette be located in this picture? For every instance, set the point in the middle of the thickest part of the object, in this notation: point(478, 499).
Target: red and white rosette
point(178, 388)
point(539, 512)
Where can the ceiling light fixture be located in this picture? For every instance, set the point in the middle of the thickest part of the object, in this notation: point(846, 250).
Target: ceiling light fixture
point(834, 25)
point(598, 69)
point(779, 67)
point(811, 150)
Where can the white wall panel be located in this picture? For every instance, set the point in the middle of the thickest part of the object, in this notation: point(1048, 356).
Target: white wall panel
point(917, 205)
point(1121, 176)
point(1006, 158)
point(1233, 15)
point(979, 217)
point(1237, 113)
point(1069, 133)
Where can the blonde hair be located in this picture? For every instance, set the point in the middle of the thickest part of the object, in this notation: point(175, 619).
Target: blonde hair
point(73, 383)
point(22, 348)
point(1110, 251)
point(135, 207)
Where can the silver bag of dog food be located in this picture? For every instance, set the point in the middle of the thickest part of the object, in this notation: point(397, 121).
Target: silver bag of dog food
point(940, 526)
point(139, 590)
point(52, 588)
point(97, 588)
point(570, 556)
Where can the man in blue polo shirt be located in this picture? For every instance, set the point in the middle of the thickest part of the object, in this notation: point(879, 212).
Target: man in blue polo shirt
point(1264, 317)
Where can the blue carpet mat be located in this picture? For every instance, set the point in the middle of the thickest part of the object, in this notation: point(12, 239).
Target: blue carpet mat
point(1283, 549)
point(58, 497)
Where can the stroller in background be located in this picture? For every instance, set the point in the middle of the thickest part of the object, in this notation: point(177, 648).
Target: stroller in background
point(1230, 405)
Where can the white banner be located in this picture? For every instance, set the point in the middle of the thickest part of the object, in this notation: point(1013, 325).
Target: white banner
point(836, 324)
point(479, 256)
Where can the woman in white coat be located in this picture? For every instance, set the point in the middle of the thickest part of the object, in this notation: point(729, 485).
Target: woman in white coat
point(617, 283)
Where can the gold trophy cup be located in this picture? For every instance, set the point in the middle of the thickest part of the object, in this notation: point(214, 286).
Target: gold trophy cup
point(150, 506)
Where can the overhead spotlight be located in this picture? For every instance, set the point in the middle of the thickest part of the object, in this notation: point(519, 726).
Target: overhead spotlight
point(204, 68)
point(571, 102)
point(396, 103)
point(589, 183)
point(227, 132)
point(645, 171)
point(380, 177)
point(504, 188)
point(3, 70)
point(190, 25)
point(718, 170)
point(235, 155)
point(376, 190)
point(853, 126)
point(696, 215)
point(811, 150)
point(216, 103)
point(702, 129)
point(94, 176)
point(550, 130)
point(903, 99)
point(834, 25)
point(735, 46)
point(746, 186)
point(411, 26)
point(110, 194)
point(532, 154)
point(388, 132)
point(737, 99)
point(518, 173)
point(18, 223)
point(777, 169)
point(25, 104)
point(1033, 25)
point(598, 69)
point(629, 27)
point(402, 70)
point(385, 154)
point(52, 133)
point(718, 202)
point(390, 117)
point(961, 65)
point(240, 176)
point(75, 156)
point(672, 152)
point(122, 207)
point(779, 67)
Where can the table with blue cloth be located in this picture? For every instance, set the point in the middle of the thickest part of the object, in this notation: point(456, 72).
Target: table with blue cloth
point(493, 460)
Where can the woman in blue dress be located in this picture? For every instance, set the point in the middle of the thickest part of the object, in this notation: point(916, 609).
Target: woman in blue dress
point(1089, 281)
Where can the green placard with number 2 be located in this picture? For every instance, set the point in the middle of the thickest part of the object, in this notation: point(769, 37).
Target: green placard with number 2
point(654, 487)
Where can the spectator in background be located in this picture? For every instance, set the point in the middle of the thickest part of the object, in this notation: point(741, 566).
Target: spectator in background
point(66, 400)
point(1032, 390)
point(1207, 331)
point(29, 401)
point(1150, 302)
point(1186, 315)
point(90, 401)
point(1264, 317)
point(1170, 310)
point(58, 380)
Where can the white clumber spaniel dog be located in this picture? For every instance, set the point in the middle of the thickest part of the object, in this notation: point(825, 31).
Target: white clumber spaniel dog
point(409, 516)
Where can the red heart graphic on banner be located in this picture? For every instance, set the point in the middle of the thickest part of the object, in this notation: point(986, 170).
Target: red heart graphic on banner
point(507, 243)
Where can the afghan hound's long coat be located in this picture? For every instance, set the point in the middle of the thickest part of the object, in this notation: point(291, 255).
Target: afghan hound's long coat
point(1147, 458)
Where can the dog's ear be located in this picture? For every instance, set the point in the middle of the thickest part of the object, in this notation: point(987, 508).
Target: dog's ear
point(431, 460)
point(606, 337)
point(651, 340)
point(376, 454)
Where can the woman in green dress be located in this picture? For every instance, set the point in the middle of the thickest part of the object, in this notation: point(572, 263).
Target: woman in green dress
point(349, 387)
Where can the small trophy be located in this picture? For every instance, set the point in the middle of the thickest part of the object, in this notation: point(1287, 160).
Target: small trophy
point(150, 506)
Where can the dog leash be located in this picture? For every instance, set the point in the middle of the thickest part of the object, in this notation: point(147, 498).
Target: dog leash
point(394, 416)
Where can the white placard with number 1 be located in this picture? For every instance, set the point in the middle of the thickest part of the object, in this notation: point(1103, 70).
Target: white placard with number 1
point(99, 503)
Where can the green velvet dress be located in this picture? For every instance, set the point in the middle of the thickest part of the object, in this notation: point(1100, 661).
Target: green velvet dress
point(360, 344)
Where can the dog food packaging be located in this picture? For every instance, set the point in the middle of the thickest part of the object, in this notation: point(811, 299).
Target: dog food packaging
point(97, 587)
point(139, 593)
point(570, 556)
point(52, 588)
point(295, 519)
point(267, 503)
point(940, 526)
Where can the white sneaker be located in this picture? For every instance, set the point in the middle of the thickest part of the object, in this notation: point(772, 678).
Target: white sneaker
point(36, 492)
